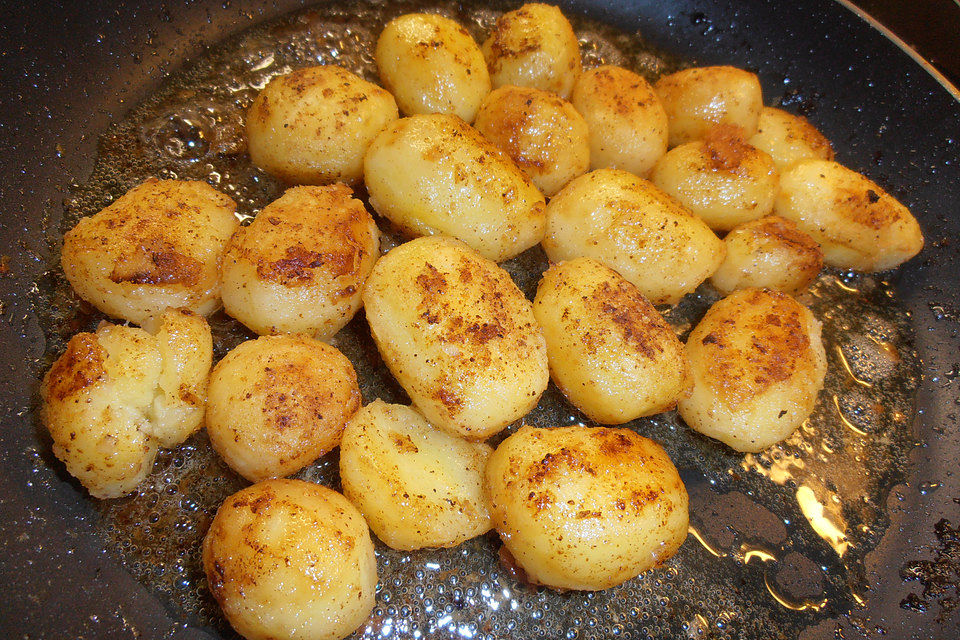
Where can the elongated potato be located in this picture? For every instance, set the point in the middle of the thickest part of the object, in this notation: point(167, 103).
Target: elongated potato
point(457, 334)
point(628, 125)
point(299, 267)
point(313, 125)
point(416, 485)
point(541, 132)
point(721, 178)
point(859, 225)
point(610, 352)
point(157, 246)
point(758, 365)
point(435, 174)
point(278, 403)
point(768, 253)
point(534, 46)
point(290, 559)
point(788, 138)
point(585, 507)
point(698, 99)
point(631, 226)
point(432, 65)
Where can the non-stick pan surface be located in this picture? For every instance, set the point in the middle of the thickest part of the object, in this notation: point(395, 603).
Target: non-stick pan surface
point(69, 71)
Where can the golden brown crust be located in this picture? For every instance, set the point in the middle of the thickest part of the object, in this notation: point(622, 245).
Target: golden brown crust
point(81, 366)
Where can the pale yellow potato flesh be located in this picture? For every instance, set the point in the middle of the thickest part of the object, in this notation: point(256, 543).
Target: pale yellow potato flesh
point(788, 138)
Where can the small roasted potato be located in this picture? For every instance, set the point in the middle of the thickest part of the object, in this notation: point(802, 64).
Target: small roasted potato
point(720, 178)
point(541, 132)
point(290, 559)
point(788, 138)
point(585, 507)
point(435, 174)
point(416, 485)
point(457, 334)
point(299, 267)
point(313, 125)
point(698, 99)
point(157, 246)
point(758, 364)
point(769, 253)
point(278, 403)
point(534, 46)
point(432, 65)
point(610, 352)
point(628, 224)
point(859, 225)
point(628, 125)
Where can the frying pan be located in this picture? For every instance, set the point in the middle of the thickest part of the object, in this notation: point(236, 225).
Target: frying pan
point(69, 71)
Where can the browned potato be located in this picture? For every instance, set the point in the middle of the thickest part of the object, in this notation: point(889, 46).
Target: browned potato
point(631, 226)
point(610, 352)
point(628, 125)
point(859, 225)
point(278, 403)
point(534, 46)
point(789, 138)
point(157, 246)
point(700, 98)
point(721, 178)
point(768, 253)
point(290, 559)
point(585, 507)
point(540, 131)
point(299, 267)
point(457, 334)
point(758, 365)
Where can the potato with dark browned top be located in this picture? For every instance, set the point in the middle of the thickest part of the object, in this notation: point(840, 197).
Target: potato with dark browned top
point(789, 138)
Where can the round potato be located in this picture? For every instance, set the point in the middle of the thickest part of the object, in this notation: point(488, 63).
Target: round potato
point(788, 138)
point(313, 125)
point(542, 133)
point(416, 485)
point(628, 125)
point(628, 224)
point(290, 559)
point(721, 178)
point(698, 99)
point(278, 403)
point(585, 507)
point(758, 365)
point(299, 267)
point(157, 246)
point(859, 225)
point(534, 46)
point(432, 65)
point(458, 335)
point(768, 253)
point(435, 174)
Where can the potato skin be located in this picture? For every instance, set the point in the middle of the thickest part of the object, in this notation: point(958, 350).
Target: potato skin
point(768, 253)
point(157, 246)
point(698, 99)
point(434, 174)
point(585, 507)
point(721, 178)
point(628, 224)
point(457, 334)
point(432, 65)
point(299, 267)
point(541, 132)
point(278, 403)
point(788, 138)
point(416, 485)
point(290, 559)
point(859, 225)
point(313, 125)
point(534, 46)
point(628, 125)
point(758, 364)
point(610, 352)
